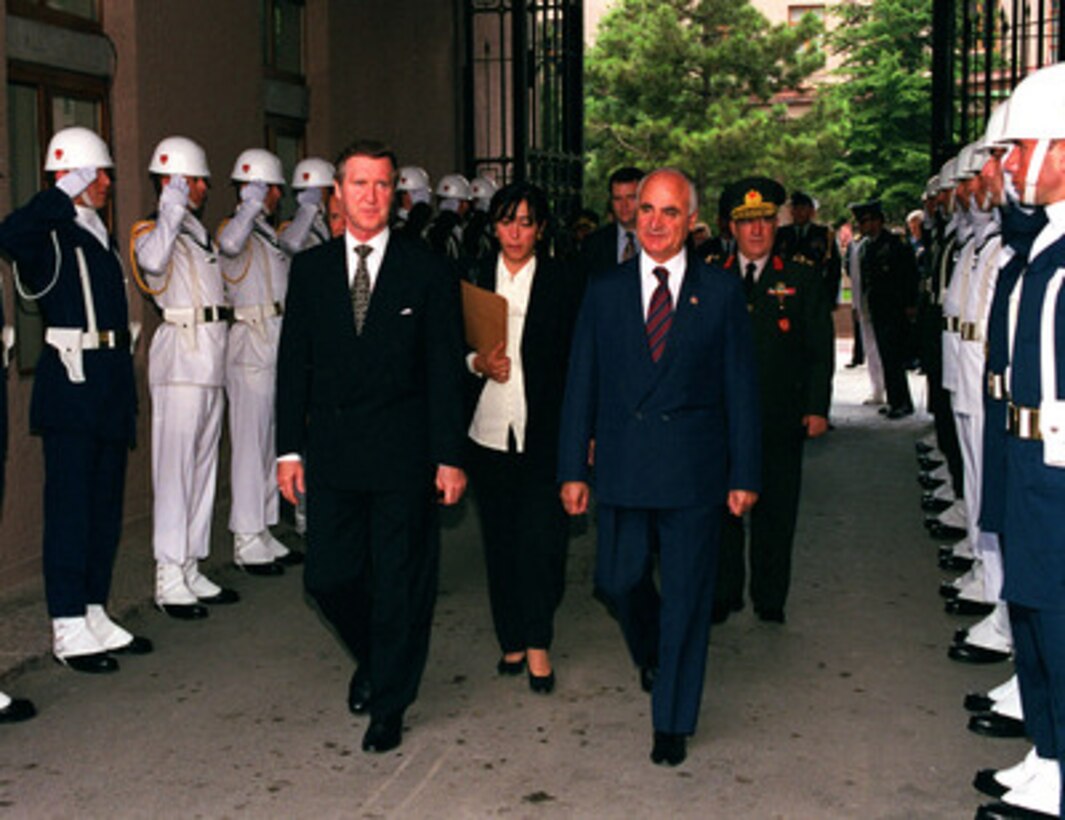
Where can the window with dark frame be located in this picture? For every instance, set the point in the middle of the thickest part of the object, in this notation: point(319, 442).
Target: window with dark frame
point(77, 14)
point(282, 38)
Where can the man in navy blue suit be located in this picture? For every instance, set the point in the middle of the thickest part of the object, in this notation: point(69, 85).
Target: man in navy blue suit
point(663, 381)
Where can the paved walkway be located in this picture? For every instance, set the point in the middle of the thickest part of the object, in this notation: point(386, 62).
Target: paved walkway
point(850, 710)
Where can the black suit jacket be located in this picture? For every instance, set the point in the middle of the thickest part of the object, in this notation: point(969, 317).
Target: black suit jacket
point(376, 411)
point(599, 251)
point(545, 343)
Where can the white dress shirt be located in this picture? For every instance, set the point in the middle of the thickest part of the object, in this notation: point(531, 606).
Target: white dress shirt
point(648, 280)
point(379, 243)
point(501, 407)
point(759, 266)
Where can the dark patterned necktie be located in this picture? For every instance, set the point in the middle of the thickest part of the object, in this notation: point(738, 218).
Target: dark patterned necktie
point(659, 315)
point(360, 288)
point(629, 250)
point(748, 279)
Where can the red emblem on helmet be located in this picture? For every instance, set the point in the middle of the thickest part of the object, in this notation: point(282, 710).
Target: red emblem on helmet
point(245, 167)
point(306, 176)
point(163, 158)
point(58, 153)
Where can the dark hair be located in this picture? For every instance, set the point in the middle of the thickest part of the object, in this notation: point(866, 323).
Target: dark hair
point(374, 149)
point(506, 200)
point(626, 174)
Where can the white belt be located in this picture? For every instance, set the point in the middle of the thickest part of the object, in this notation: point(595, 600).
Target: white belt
point(190, 315)
point(951, 324)
point(970, 332)
point(255, 314)
point(1023, 422)
point(996, 386)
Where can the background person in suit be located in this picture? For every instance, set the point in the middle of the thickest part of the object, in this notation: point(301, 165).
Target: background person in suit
point(670, 397)
point(370, 379)
point(514, 433)
point(793, 351)
point(616, 241)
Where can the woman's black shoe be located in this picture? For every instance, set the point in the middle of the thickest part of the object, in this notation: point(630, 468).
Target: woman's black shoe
point(505, 667)
point(542, 684)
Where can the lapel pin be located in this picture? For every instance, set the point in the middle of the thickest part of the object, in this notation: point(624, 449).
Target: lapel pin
point(694, 300)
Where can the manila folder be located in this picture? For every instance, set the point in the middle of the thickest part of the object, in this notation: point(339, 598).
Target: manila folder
point(485, 317)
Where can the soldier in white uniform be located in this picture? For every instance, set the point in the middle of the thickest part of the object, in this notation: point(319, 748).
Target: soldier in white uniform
point(255, 269)
point(176, 264)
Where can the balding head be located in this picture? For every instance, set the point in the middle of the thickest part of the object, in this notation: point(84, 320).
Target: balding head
point(666, 211)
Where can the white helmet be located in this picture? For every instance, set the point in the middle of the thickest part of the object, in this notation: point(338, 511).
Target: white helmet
point(179, 155)
point(482, 188)
point(412, 178)
point(971, 159)
point(931, 187)
point(313, 173)
point(258, 165)
point(1037, 106)
point(77, 147)
point(453, 186)
point(996, 127)
point(947, 178)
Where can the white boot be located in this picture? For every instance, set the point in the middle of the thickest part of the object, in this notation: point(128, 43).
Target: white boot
point(252, 555)
point(172, 593)
point(1041, 792)
point(1004, 689)
point(1020, 773)
point(206, 590)
point(75, 646)
point(993, 632)
point(107, 632)
point(276, 548)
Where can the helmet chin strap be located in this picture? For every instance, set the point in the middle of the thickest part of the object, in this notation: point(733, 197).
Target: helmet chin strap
point(1035, 167)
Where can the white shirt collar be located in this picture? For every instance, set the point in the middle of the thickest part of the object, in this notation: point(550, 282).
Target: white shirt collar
point(759, 265)
point(379, 243)
point(1054, 229)
point(648, 281)
point(90, 220)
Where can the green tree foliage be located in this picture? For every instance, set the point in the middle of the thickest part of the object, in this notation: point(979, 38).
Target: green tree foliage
point(881, 102)
point(688, 83)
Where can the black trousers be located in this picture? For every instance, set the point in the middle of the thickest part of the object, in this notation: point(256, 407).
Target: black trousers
point(773, 521)
point(892, 340)
point(373, 561)
point(857, 352)
point(84, 479)
point(525, 533)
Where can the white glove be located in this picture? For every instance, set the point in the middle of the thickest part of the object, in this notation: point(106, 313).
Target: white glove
point(254, 193)
point(420, 195)
point(310, 196)
point(74, 182)
point(175, 193)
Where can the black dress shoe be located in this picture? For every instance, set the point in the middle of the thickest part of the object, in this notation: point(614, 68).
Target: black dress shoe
point(137, 646)
point(948, 590)
point(510, 668)
point(262, 570)
point(978, 702)
point(293, 558)
point(929, 483)
point(928, 464)
point(18, 710)
point(948, 560)
point(985, 782)
point(721, 610)
point(945, 532)
point(647, 678)
point(967, 606)
point(935, 505)
point(669, 749)
point(542, 684)
point(922, 448)
point(225, 596)
point(1004, 811)
point(183, 612)
point(896, 413)
point(971, 653)
point(359, 694)
point(993, 724)
point(771, 614)
point(96, 663)
point(383, 734)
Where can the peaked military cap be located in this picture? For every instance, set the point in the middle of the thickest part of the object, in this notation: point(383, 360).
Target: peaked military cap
point(801, 198)
point(754, 197)
point(871, 207)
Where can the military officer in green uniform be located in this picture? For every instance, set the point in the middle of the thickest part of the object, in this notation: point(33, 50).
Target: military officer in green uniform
point(793, 349)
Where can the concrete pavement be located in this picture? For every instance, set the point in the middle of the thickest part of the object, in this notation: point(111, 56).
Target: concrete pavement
point(850, 710)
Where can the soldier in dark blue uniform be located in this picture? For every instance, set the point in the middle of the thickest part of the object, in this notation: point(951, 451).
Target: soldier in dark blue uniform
point(84, 401)
point(1033, 537)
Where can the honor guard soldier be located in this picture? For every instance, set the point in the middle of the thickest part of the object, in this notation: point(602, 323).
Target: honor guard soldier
point(414, 194)
point(1033, 537)
point(255, 270)
point(793, 351)
point(477, 237)
point(444, 233)
point(84, 400)
point(313, 178)
point(175, 262)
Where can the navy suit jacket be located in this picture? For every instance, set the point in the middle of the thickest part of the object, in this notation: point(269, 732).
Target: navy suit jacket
point(380, 410)
point(679, 433)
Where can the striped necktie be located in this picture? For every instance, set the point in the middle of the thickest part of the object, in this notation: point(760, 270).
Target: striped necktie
point(659, 315)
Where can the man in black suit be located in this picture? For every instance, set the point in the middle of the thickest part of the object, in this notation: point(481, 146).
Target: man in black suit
point(615, 242)
point(370, 381)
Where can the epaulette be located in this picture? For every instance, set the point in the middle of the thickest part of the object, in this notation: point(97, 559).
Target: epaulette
point(221, 227)
point(140, 227)
point(803, 260)
point(713, 258)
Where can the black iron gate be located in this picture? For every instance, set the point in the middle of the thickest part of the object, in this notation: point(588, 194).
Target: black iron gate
point(524, 105)
point(981, 50)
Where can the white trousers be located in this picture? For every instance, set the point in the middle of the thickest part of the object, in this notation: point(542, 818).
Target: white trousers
point(872, 355)
point(186, 428)
point(254, 464)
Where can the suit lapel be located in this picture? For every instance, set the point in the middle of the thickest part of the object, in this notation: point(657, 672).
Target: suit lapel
point(387, 289)
point(335, 294)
